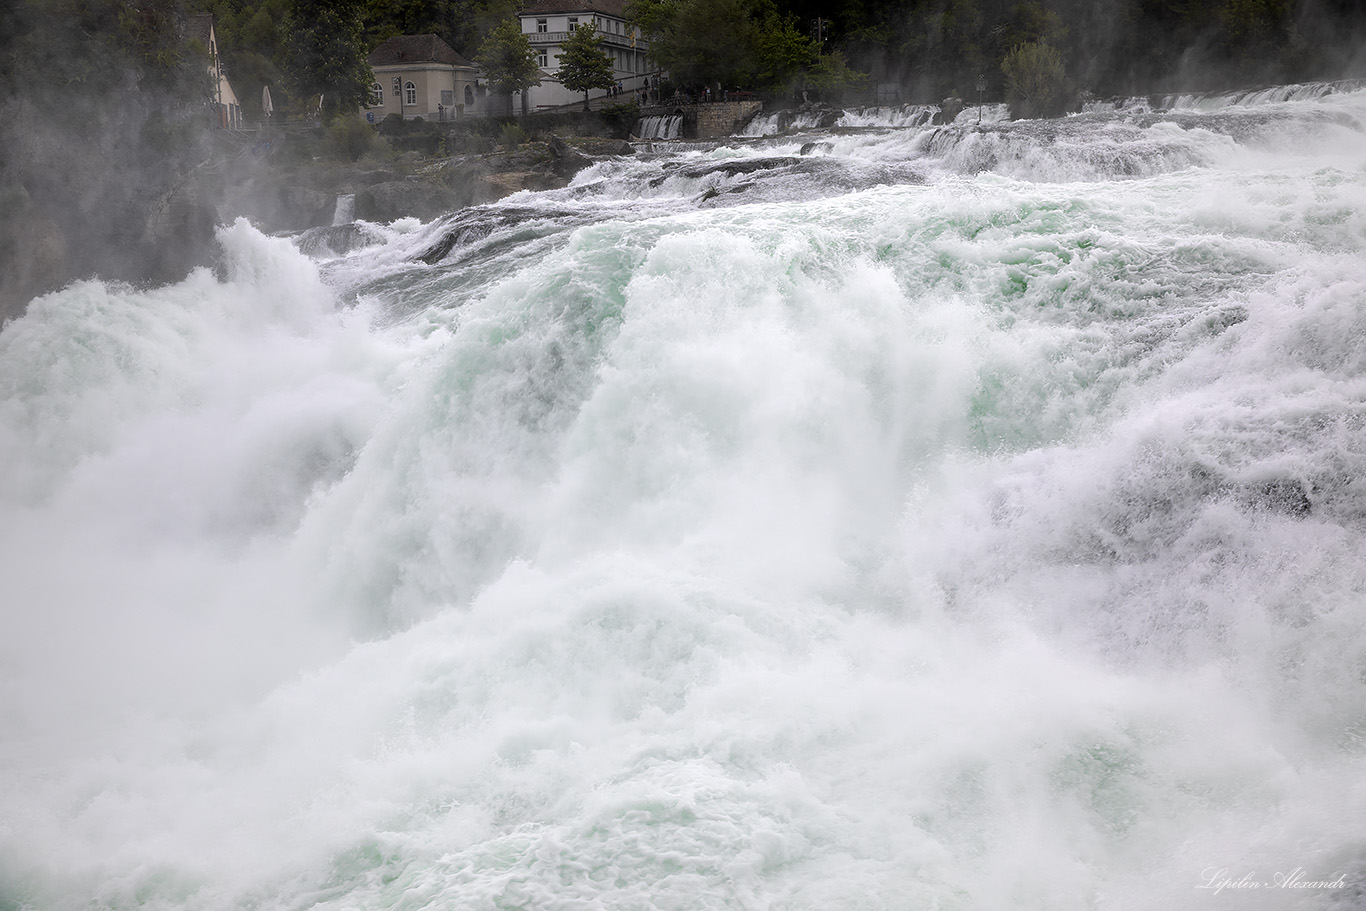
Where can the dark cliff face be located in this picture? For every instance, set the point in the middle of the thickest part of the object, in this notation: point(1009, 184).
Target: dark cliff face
point(104, 114)
point(75, 209)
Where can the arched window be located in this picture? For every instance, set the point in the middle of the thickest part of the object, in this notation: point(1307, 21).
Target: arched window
point(409, 93)
point(377, 93)
point(469, 97)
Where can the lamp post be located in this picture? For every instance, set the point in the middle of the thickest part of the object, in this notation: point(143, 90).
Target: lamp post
point(981, 87)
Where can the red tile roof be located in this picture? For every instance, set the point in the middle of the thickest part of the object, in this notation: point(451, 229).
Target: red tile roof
point(415, 49)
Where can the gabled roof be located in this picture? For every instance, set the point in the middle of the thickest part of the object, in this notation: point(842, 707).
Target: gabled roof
point(415, 49)
point(614, 8)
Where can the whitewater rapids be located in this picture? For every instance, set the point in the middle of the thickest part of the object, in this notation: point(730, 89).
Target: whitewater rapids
point(962, 517)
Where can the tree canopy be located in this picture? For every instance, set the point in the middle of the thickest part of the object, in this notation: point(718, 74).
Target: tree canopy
point(1034, 79)
point(750, 43)
point(929, 48)
point(507, 59)
point(584, 65)
point(326, 53)
point(700, 42)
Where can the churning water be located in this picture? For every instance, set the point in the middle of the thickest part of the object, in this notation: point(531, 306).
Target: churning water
point(945, 518)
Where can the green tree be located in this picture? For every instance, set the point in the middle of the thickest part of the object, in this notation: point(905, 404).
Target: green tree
point(250, 45)
point(783, 54)
point(462, 24)
point(326, 53)
point(701, 42)
point(507, 60)
point(1034, 80)
point(584, 65)
point(832, 75)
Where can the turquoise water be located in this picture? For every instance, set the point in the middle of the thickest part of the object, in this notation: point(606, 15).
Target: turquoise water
point(962, 518)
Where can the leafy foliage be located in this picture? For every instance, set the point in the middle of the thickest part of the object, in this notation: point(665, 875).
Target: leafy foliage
point(584, 65)
point(512, 135)
point(931, 48)
point(783, 52)
point(507, 59)
point(251, 47)
point(737, 43)
point(621, 116)
point(701, 42)
point(1034, 79)
point(351, 138)
point(105, 106)
point(326, 53)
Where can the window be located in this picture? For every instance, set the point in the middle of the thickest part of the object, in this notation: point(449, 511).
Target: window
point(469, 97)
point(542, 60)
point(409, 93)
point(542, 25)
point(376, 96)
point(573, 23)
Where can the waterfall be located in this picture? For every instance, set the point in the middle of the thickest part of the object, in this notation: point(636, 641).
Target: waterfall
point(659, 126)
point(344, 211)
point(960, 517)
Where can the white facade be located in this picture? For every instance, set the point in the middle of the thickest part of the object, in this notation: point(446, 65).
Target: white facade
point(432, 91)
point(227, 109)
point(420, 76)
point(547, 26)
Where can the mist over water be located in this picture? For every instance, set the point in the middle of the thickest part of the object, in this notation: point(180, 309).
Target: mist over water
point(947, 517)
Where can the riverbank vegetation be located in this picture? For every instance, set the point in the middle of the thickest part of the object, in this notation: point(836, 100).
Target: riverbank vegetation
point(908, 50)
point(106, 102)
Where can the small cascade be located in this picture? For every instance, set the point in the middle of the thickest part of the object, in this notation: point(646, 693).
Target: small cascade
point(906, 115)
point(1216, 101)
point(762, 125)
point(345, 211)
point(984, 113)
point(659, 126)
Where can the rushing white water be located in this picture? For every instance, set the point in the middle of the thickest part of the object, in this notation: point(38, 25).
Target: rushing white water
point(660, 126)
point(956, 518)
point(344, 212)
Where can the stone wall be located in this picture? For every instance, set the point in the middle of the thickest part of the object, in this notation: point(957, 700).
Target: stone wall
point(708, 121)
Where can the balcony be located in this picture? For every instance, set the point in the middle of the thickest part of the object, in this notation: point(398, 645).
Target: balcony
point(542, 38)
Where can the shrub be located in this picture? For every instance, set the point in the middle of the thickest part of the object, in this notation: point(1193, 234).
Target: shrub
point(1034, 80)
point(621, 118)
point(513, 135)
point(350, 138)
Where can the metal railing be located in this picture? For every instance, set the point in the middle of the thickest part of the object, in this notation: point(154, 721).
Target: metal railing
point(609, 38)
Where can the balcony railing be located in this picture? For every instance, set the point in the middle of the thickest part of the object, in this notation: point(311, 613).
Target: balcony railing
point(608, 37)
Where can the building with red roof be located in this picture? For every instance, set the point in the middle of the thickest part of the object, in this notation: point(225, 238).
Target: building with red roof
point(423, 76)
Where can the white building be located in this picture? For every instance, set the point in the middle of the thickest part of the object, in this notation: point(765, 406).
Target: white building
point(422, 76)
point(227, 110)
point(547, 24)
